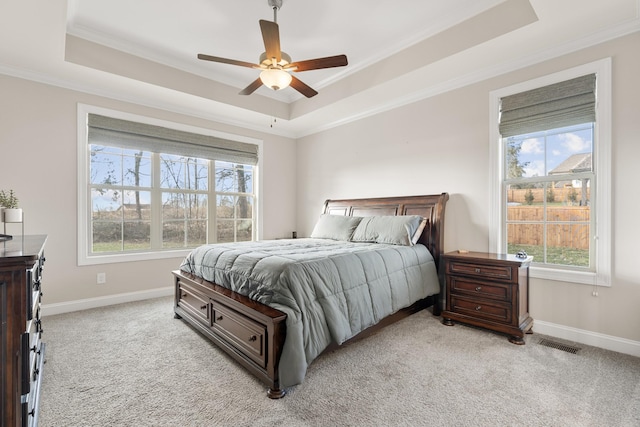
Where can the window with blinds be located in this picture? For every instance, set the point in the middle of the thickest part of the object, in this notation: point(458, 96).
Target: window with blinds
point(553, 173)
point(548, 137)
point(151, 188)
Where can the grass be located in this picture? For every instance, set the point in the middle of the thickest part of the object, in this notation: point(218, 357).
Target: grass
point(555, 255)
point(116, 246)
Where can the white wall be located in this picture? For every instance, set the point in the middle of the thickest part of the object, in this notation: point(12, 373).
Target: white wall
point(38, 161)
point(442, 144)
point(435, 145)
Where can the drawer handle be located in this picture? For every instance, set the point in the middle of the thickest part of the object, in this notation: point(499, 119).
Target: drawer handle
point(477, 270)
point(478, 308)
point(219, 318)
point(184, 295)
point(202, 307)
point(478, 288)
point(253, 338)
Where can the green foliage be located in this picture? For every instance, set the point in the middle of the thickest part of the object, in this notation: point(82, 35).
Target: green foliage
point(573, 196)
point(8, 200)
point(515, 169)
point(551, 197)
point(528, 197)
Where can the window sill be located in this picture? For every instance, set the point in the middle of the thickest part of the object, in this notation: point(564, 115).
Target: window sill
point(131, 257)
point(579, 277)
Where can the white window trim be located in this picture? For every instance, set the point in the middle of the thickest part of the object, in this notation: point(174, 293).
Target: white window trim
point(603, 166)
point(83, 176)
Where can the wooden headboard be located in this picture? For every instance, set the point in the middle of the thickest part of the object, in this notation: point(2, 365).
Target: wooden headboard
point(430, 207)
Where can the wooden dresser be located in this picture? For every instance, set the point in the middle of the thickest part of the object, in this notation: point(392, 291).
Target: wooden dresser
point(488, 290)
point(21, 348)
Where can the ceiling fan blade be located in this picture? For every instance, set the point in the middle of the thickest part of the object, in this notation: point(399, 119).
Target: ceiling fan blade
point(318, 63)
point(252, 87)
point(271, 37)
point(227, 61)
point(301, 87)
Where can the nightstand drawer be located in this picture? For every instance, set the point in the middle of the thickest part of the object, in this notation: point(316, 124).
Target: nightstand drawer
point(484, 309)
point(496, 291)
point(503, 272)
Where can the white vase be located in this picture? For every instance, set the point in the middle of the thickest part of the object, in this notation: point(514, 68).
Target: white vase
point(12, 215)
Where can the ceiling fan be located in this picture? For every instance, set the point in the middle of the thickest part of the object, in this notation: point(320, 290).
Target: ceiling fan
point(275, 64)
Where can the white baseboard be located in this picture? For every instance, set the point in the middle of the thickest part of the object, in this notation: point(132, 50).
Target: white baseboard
point(83, 304)
point(608, 342)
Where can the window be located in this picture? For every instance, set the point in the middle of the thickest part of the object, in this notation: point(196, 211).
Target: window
point(149, 191)
point(551, 155)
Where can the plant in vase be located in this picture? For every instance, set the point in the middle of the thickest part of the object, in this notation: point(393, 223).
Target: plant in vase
point(11, 211)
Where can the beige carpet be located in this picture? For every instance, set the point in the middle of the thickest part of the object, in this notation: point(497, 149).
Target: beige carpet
point(135, 365)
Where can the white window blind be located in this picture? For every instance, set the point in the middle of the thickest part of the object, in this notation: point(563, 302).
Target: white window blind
point(554, 106)
point(126, 134)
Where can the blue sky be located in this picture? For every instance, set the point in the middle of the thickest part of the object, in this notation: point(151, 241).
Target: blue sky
point(544, 153)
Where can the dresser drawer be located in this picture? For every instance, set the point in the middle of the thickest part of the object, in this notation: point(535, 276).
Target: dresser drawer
point(481, 309)
point(194, 302)
point(476, 288)
point(245, 334)
point(501, 272)
point(30, 401)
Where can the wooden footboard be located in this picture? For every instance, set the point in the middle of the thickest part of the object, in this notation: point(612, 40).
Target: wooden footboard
point(253, 333)
point(250, 332)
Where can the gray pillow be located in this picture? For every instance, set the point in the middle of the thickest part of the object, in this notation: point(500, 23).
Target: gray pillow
point(395, 230)
point(336, 227)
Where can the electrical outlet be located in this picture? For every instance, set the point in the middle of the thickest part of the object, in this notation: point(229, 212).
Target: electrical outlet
point(101, 279)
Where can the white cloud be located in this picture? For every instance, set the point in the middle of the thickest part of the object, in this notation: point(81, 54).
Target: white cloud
point(532, 146)
point(534, 168)
point(574, 143)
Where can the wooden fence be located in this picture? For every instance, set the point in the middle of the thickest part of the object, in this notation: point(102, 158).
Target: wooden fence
point(566, 195)
point(574, 235)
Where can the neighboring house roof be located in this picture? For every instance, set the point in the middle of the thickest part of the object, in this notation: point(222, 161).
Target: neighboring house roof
point(575, 163)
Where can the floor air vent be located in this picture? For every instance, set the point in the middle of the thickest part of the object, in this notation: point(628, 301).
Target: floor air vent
point(559, 346)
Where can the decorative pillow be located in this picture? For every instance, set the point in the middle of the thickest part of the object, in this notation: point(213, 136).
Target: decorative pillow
point(395, 230)
point(336, 227)
point(418, 233)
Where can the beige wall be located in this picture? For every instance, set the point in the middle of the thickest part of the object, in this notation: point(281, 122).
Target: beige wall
point(435, 145)
point(442, 144)
point(38, 160)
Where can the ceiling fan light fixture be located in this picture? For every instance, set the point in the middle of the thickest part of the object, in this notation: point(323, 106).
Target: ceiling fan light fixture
point(275, 78)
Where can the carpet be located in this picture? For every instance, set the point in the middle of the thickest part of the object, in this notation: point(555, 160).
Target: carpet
point(135, 365)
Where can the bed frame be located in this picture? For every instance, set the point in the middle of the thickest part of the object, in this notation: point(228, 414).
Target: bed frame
point(253, 334)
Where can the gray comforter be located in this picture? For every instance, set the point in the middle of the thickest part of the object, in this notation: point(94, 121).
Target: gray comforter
point(330, 290)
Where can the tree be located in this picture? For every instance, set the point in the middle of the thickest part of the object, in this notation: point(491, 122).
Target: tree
point(529, 197)
point(515, 169)
point(551, 196)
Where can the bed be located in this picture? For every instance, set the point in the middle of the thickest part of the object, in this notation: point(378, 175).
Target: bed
point(274, 306)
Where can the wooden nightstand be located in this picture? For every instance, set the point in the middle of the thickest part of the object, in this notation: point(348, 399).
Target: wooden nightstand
point(488, 290)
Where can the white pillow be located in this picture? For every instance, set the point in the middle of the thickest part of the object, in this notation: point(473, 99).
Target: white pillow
point(395, 230)
point(335, 227)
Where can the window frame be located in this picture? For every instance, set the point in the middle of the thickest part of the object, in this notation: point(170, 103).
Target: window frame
point(83, 197)
point(601, 167)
